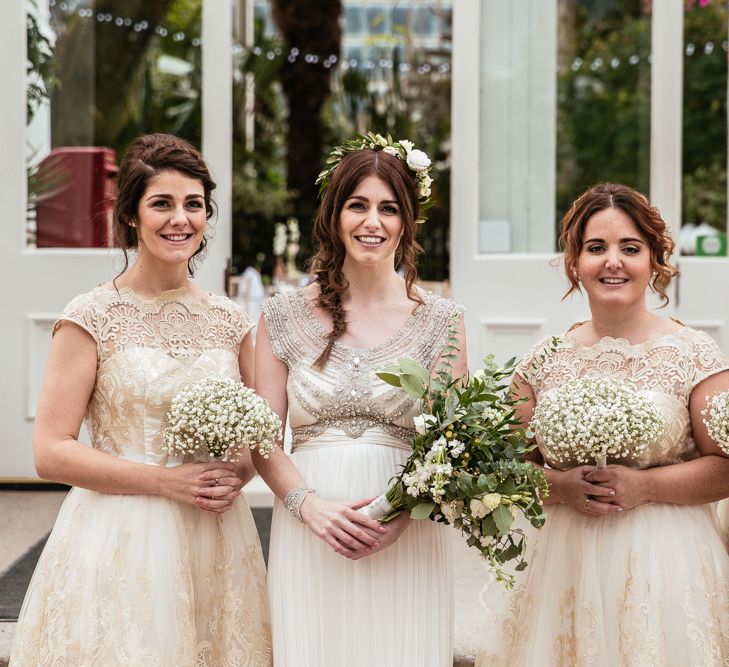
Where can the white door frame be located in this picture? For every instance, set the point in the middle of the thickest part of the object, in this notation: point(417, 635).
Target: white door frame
point(37, 283)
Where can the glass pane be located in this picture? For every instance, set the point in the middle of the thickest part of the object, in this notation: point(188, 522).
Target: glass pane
point(603, 114)
point(563, 107)
point(704, 126)
point(105, 72)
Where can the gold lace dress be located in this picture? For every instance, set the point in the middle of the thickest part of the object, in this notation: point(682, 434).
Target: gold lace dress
point(350, 435)
point(647, 587)
point(137, 580)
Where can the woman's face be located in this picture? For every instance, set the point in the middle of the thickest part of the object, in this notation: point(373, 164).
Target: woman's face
point(171, 217)
point(614, 264)
point(370, 223)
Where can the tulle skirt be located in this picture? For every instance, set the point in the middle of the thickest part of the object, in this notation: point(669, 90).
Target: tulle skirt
point(132, 580)
point(391, 609)
point(648, 587)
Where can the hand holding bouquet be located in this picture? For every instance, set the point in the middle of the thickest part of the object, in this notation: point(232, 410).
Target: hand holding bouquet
point(467, 468)
point(590, 418)
point(220, 418)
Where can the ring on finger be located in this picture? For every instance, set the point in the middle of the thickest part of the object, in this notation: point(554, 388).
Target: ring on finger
point(216, 482)
point(587, 502)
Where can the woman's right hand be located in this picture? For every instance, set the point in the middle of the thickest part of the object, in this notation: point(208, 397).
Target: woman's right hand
point(571, 488)
point(210, 486)
point(347, 531)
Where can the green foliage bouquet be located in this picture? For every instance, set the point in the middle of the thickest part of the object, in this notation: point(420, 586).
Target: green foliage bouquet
point(467, 468)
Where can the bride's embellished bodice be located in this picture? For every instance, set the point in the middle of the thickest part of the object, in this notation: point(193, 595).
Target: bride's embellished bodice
point(665, 368)
point(147, 350)
point(347, 398)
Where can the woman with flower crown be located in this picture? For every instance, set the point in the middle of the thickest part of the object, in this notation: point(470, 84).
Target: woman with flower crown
point(630, 568)
point(154, 559)
point(344, 589)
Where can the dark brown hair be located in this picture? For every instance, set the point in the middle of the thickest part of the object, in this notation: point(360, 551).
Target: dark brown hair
point(328, 261)
point(645, 217)
point(146, 157)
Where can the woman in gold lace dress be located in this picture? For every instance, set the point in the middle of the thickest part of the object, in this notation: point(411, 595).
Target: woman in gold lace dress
point(630, 568)
point(152, 561)
point(345, 590)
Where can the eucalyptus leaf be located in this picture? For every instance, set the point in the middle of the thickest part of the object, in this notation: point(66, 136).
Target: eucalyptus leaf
point(414, 368)
point(390, 378)
point(422, 510)
point(502, 518)
point(412, 384)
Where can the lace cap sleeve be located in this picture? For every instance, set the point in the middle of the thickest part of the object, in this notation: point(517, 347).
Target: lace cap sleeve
point(708, 359)
point(531, 367)
point(83, 312)
point(279, 316)
point(241, 320)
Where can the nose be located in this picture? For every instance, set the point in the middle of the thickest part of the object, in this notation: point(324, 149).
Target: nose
point(613, 260)
point(372, 220)
point(178, 215)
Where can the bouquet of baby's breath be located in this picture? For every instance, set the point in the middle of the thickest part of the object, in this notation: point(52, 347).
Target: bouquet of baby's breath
point(716, 418)
point(220, 418)
point(590, 418)
point(467, 467)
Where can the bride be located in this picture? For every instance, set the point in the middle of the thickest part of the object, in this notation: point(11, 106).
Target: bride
point(344, 589)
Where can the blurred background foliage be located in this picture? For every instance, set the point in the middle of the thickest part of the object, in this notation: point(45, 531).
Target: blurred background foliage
point(109, 82)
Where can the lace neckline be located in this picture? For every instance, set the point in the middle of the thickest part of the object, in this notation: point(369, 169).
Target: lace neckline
point(321, 332)
point(179, 294)
point(616, 342)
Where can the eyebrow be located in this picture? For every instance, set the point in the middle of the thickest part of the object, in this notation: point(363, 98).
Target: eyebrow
point(164, 195)
point(629, 239)
point(363, 198)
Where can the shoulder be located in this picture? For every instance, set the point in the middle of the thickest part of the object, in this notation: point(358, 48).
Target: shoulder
point(283, 303)
point(441, 305)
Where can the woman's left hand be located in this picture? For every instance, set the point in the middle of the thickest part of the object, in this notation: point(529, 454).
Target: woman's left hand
point(393, 529)
point(221, 485)
point(629, 487)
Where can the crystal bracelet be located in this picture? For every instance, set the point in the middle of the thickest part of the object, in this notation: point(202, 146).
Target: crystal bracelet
point(294, 499)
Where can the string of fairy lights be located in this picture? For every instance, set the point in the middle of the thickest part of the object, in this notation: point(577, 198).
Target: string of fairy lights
point(294, 54)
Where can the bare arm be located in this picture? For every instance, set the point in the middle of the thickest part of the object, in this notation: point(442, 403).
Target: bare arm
point(701, 480)
point(347, 531)
point(59, 456)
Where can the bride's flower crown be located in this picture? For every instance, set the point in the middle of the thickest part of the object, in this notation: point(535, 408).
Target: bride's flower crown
point(416, 160)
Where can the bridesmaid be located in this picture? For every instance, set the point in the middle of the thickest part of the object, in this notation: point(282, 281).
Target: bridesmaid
point(630, 568)
point(152, 561)
point(344, 589)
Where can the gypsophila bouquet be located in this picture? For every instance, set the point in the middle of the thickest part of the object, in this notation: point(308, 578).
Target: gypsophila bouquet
point(467, 468)
point(716, 418)
point(220, 417)
point(588, 419)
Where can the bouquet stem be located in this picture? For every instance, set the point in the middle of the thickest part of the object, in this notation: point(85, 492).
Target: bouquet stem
point(378, 509)
point(601, 461)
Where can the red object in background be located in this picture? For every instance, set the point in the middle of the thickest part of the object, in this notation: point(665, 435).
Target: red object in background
point(76, 198)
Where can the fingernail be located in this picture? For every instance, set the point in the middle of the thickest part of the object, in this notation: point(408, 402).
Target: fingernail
point(620, 509)
point(612, 493)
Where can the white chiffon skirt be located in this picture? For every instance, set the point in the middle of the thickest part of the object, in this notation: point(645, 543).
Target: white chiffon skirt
point(646, 587)
point(391, 609)
point(142, 581)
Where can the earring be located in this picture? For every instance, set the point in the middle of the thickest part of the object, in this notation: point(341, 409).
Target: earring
point(576, 275)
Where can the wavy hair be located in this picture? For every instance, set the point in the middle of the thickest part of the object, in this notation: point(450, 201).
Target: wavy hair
point(147, 156)
point(645, 217)
point(328, 261)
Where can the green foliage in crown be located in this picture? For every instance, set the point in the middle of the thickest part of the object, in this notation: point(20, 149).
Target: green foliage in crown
point(417, 161)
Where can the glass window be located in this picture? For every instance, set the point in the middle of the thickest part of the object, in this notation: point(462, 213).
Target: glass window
point(377, 20)
point(354, 20)
point(108, 76)
point(704, 125)
point(563, 107)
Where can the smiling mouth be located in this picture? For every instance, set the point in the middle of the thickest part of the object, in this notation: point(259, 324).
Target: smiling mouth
point(613, 281)
point(370, 240)
point(176, 237)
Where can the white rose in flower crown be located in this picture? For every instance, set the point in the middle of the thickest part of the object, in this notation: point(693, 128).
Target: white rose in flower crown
point(418, 160)
point(391, 150)
point(406, 144)
point(452, 510)
point(424, 191)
